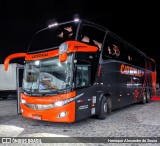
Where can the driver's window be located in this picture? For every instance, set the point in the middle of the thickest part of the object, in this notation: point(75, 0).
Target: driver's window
point(82, 76)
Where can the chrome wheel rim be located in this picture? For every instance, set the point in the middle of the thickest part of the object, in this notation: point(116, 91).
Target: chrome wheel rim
point(105, 107)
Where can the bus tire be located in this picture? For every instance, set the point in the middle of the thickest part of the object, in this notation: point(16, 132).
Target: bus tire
point(148, 97)
point(105, 108)
point(144, 98)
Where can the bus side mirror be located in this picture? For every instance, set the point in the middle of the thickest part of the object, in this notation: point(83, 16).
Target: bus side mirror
point(63, 57)
point(63, 48)
point(83, 75)
point(13, 56)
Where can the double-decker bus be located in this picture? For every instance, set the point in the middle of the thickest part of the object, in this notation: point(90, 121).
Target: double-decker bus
point(78, 69)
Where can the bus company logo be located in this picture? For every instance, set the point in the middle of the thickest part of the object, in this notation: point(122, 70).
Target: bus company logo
point(40, 55)
point(36, 107)
point(128, 70)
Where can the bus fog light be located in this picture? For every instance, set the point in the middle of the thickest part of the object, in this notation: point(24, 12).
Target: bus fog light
point(62, 114)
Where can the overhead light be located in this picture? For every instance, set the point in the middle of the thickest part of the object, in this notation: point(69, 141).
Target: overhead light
point(52, 25)
point(76, 19)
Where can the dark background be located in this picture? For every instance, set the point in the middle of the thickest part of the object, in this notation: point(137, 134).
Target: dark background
point(136, 22)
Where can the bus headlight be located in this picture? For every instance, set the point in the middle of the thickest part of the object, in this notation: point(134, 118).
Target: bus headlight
point(59, 103)
point(23, 101)
point(63, 102)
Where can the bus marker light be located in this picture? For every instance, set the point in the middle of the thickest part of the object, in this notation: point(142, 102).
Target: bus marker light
point(63, 57)
point(89, 99)
point(79, 101)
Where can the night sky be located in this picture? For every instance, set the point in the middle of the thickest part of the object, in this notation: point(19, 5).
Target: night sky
point(137, 23)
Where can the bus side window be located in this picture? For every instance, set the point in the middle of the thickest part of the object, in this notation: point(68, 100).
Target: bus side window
point(129, 58)
point(82, 76)
point(116, 51)
point(111, 50)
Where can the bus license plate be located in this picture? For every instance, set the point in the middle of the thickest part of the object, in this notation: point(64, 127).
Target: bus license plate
point(37, 117)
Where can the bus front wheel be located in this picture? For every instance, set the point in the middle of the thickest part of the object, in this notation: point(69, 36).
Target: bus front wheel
point(105, 108)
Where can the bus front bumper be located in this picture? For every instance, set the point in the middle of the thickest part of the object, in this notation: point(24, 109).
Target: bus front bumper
point(65, 113)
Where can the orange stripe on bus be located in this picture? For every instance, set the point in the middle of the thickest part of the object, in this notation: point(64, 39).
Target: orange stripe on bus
point(73, 46)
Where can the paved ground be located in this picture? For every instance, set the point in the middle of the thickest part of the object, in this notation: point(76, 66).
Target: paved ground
point(133, 121)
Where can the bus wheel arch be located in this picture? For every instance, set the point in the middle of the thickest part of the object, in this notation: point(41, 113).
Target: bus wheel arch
point(105, 107)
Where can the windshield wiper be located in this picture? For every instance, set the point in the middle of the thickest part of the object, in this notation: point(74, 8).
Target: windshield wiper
point(64, 90)
point(58, 91)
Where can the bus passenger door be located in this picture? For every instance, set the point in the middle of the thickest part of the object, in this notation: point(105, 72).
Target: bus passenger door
point(19, 78)
point(84, 91)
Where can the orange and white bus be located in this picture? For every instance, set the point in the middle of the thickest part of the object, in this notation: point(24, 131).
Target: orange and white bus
point(78, 69)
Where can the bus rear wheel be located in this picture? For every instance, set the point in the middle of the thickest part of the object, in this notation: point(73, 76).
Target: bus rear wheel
point(148, 97)
point(105, 108)
point(144, 98)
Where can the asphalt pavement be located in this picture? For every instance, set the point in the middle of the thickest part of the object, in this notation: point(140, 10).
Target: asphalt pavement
point(136, 120)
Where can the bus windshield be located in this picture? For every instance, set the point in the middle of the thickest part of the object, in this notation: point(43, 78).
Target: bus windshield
point(49, 38)
point(47, 75)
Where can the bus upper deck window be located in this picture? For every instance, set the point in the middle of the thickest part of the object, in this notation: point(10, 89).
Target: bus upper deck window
point(129, 58)
point(66, 33)
point(98, 44)
point(85, 39)
point(116, 50)
point(112, 51)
